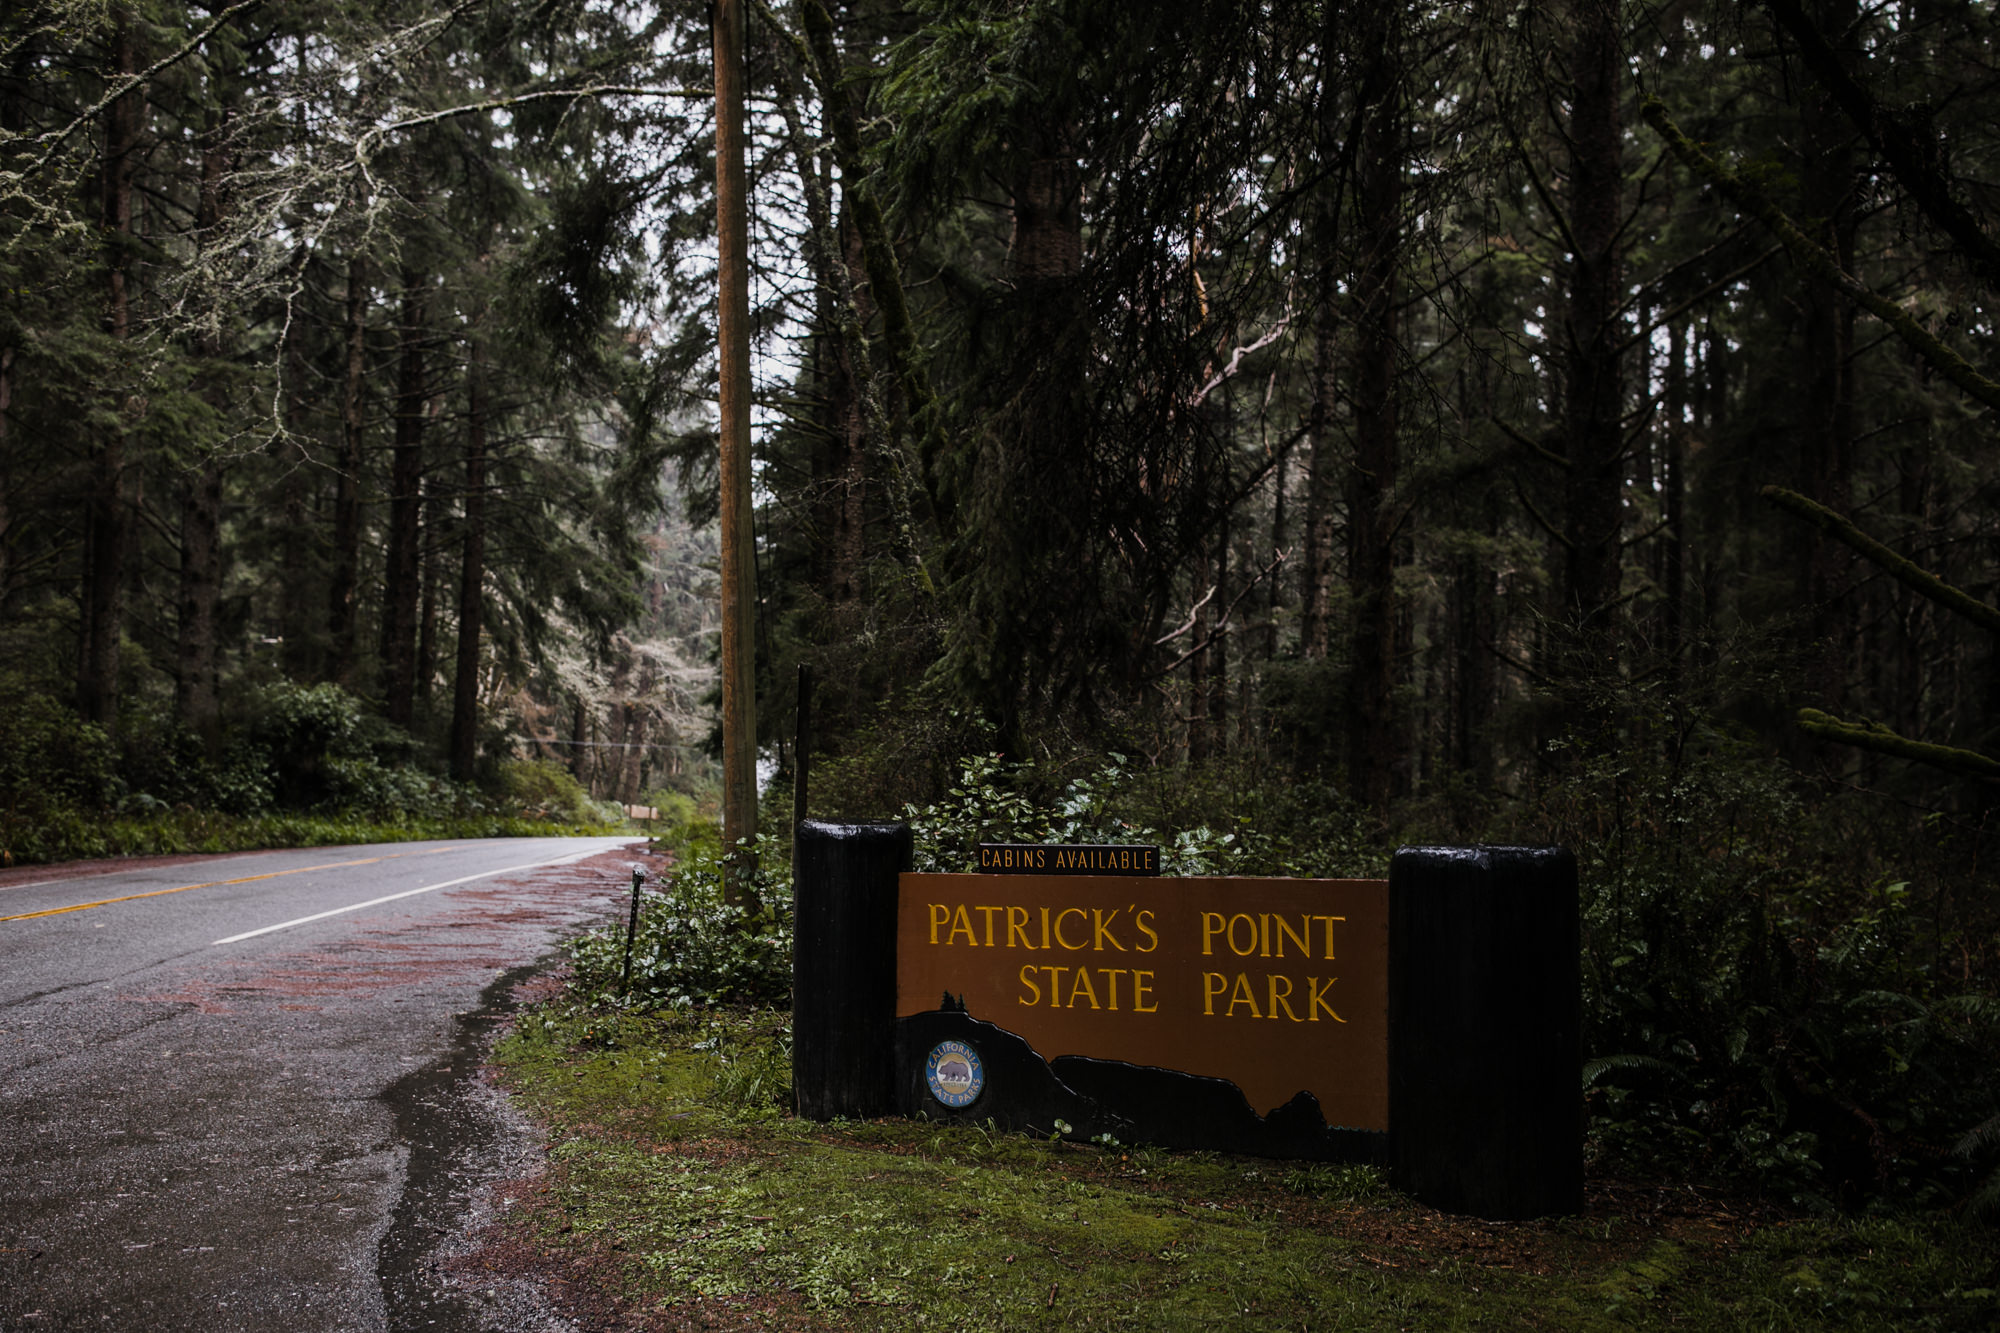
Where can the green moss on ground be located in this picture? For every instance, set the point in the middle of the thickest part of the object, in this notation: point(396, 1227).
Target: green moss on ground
point(679, 1182)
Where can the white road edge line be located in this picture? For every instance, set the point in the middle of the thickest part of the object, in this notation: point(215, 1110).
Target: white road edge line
point(409, 893)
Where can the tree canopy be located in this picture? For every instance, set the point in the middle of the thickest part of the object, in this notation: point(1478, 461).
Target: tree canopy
point(1555, 420)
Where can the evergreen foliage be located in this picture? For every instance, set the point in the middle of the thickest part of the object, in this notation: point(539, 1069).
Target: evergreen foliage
point(1363, 417)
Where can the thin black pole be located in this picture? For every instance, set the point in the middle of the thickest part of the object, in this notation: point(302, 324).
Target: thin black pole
point(801, 748)
point(631, 929)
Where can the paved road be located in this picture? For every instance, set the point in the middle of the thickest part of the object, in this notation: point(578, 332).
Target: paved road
point(236, 1092)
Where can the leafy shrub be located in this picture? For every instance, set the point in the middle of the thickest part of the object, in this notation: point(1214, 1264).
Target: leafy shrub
point(50, 757)
point(682, 826)
point(300, 730)
point(693, 948)
point(1763, 995)
point(543, 789)
point(995, 801)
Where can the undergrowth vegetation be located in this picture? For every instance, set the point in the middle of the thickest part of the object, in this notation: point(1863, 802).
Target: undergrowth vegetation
point(1790, 1083)
point(1774, 1003)
point(305, 766)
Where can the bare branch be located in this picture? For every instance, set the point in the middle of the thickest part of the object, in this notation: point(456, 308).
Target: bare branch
point(1276, 332)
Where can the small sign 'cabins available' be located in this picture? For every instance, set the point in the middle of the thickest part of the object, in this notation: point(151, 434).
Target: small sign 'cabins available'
point(1014, 858)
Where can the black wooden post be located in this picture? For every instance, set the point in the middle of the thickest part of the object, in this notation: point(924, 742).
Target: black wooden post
point(1485, 1022)
point(844, 967)
point(801, 750)
point(631, 930)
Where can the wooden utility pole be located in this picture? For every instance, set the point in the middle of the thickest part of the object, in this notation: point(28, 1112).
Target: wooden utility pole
point(739, 570)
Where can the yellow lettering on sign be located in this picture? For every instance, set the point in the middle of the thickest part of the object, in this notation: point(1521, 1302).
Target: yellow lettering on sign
point(1212, 985)
point(1319, 999)
point(1249, 948)
point(1103, 929)
point(939, 915)
point(1142, 986)
point(1144, 921)
point(988, 912)
point(961, 924)
point(1045, 927)
point(1281, 998)
point(1062, 916)
point(1111, 975)
point(1055, 984)
point(1301, 937)
point(1081, 986)
point(1241, 994)
point(1209, 932)
point(1028, 971)
point(1017, 927)
point(1141, 991)
point(1329, 932)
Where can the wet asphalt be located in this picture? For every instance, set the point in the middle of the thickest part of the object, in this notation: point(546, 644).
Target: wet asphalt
point(285, 1131)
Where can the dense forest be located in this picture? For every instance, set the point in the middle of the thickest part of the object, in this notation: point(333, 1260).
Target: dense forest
point(1297, 427)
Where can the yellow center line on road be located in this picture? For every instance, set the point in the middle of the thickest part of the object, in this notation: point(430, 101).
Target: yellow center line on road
point(216, 883)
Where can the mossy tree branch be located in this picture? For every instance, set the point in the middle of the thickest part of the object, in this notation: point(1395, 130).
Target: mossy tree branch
point(1902, 569)
point(1874, 736)
point(1816, 260)
point(1914, 162)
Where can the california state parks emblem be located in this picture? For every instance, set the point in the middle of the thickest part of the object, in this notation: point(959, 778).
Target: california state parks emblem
point(954, 1074)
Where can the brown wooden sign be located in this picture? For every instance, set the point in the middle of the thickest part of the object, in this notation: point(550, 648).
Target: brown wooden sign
point(1278, 985)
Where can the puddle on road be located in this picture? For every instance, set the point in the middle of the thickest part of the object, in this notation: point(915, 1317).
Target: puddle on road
point(456, 1140)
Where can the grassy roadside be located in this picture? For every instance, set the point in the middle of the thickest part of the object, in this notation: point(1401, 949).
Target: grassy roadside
point(680, 1195)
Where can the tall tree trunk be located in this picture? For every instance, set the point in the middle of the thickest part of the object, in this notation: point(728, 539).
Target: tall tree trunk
point(1324, 460)
point(1048, 212)
point(1218, 653)
point(295, 570)
point(1826, 453)
point(1274, 590)
point(471, 577)
point(430, 520)
point(295, 491)
point(403, 575)
point(1374, 735)
point(1673, 576)
point(1323, 479)
point(1198, 683)
point(1593, 385)
point(632, 768)
point(849, 473)
point(6, 484)
point(108, 521)
point(733, 392)
point(1473, 631)
point(195, 693)
point(579, 752)
point(343, 615)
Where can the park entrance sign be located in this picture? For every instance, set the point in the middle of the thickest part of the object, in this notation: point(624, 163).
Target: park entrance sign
point(1428, 1022)
point(1279, 986)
